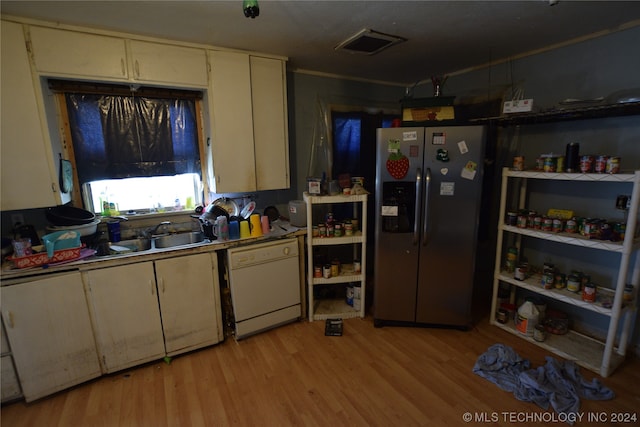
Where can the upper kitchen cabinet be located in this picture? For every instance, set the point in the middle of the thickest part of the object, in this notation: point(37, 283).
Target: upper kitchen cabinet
point(27, 170)
point(69, 53)
point(162, 63)
point(98, 57)
point(247, 102)
point(269, 101)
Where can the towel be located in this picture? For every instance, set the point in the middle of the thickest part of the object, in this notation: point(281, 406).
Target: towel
point(556, 384)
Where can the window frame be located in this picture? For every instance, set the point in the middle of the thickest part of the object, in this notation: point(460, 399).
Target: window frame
point(67, 151)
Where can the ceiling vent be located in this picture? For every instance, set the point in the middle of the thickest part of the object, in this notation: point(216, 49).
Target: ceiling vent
point(368, 42)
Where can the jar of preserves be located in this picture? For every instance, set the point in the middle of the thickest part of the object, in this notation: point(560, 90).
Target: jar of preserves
point(589, 292)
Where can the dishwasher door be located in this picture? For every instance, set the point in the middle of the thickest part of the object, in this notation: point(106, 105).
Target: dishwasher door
point(264, 281)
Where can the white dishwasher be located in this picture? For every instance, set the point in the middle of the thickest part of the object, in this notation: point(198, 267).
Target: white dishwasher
point(264, 280)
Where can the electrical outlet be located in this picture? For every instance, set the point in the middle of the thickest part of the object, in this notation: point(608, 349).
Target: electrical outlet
point(17, 219)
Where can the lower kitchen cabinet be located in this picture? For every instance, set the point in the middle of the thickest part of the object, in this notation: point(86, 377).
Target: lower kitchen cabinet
point(189, 302)
point(49, 331)
point(124, 305)
point(145, 311)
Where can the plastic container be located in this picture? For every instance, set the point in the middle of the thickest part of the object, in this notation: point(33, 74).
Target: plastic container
point(298, 213)
point(527, 318)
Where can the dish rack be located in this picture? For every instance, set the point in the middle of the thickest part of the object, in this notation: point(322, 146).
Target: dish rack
point(41, 258)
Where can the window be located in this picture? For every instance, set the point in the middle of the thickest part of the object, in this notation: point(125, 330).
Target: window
point(134, 150)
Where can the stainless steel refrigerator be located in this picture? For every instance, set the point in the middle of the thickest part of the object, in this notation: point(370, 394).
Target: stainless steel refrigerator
point(428, 195)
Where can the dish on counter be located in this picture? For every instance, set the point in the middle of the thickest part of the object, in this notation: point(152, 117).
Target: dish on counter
point(228, 205)
point(247, 210)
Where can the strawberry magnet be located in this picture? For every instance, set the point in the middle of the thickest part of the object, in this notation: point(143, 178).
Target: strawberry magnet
point(397, 163)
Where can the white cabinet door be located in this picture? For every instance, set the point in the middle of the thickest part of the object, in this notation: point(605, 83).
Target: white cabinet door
point(61, 52)
point(10, 386)
point(269, 101)
point(27, 174)
point(126, 315)
point(232, 122)
point(188, 290)
point(49, 329)
point(163, 63)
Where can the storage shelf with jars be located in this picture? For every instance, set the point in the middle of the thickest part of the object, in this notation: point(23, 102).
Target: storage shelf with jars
point(605, 291)
point(336, 255)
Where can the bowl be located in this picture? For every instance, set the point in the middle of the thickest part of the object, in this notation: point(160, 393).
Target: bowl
point(69, 215)
point(84, 229)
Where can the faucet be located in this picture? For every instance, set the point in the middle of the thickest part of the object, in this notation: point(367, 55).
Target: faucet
point(154, 230)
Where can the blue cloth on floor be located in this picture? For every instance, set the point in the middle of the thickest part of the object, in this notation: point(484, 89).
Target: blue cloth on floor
point(556, 384)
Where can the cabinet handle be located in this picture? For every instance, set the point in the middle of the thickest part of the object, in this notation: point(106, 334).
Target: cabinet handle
point(137, 69)
point(162, 282)
point(11, 323)
point(153, 287)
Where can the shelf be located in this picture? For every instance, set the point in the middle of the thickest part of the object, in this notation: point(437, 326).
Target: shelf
point(339, 198)
point(342, 278)
point(333, 309)
point(563, 176)
point(568, 238)
point(596, 111)
point(563, 295)
point(324, 241)
point(583, 350)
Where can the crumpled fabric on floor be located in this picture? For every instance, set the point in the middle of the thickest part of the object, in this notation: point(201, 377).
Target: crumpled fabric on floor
point(557, 384)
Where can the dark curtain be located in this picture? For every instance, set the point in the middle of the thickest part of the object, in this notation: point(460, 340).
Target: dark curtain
point(127, 136)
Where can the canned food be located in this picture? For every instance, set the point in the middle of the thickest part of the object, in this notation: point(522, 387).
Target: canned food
point(601, 164)
point(539, 333)
point(512, 257)
point(521, 272)
point(547, 224)
point(557, 225)
point(518, 163)
point(317, 271)
point(322, 230)
point(330, 230)
point(550, 164)
point(540, 163)
point(560, 164)
point(522, 221)
point(348, 228)
point(335, 267)
point(547, 280)
point(559, 281)
point(537, 222)
point(573, 283)
point(512, 218)
point(314, 231)
point(571, 226)
point(326, 271)
point(627, 296)
point(613, 165)
point(586, 164)
point(589, 292)
point(337, 230)
point(502, 316)
point(356, 266)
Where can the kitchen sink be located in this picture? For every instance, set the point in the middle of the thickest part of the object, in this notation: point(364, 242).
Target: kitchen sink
point(171, 240)
point(136, 245)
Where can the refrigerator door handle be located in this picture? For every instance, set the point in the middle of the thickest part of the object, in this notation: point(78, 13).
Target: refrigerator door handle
point(416, 222)
point(427, 188)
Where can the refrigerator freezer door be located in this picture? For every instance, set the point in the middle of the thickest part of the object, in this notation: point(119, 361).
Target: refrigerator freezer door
point(397, 223)
point(454, 157)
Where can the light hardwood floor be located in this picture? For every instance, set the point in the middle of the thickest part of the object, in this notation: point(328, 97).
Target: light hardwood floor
point(294, 375)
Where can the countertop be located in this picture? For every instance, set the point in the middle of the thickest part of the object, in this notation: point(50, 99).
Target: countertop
point(279, 231)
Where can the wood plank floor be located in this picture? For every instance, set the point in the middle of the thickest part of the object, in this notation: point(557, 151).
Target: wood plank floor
point(294, 375)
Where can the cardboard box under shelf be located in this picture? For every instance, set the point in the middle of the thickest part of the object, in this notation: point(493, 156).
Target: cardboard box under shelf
point(428, 111)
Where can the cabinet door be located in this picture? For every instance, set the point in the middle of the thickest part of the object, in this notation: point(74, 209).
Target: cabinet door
point(78, 54)
point(268, 95)
point(9, 380)
point(162, 63)
point(26, 171)
point(232, 122)
point(126, 315)
point(50, 335)
point(187, 289)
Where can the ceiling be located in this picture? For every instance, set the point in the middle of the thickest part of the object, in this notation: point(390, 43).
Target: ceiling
point(443, 37)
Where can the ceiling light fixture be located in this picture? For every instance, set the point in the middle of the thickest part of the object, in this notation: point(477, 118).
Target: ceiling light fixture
point(251, 8)
point(369, 42)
